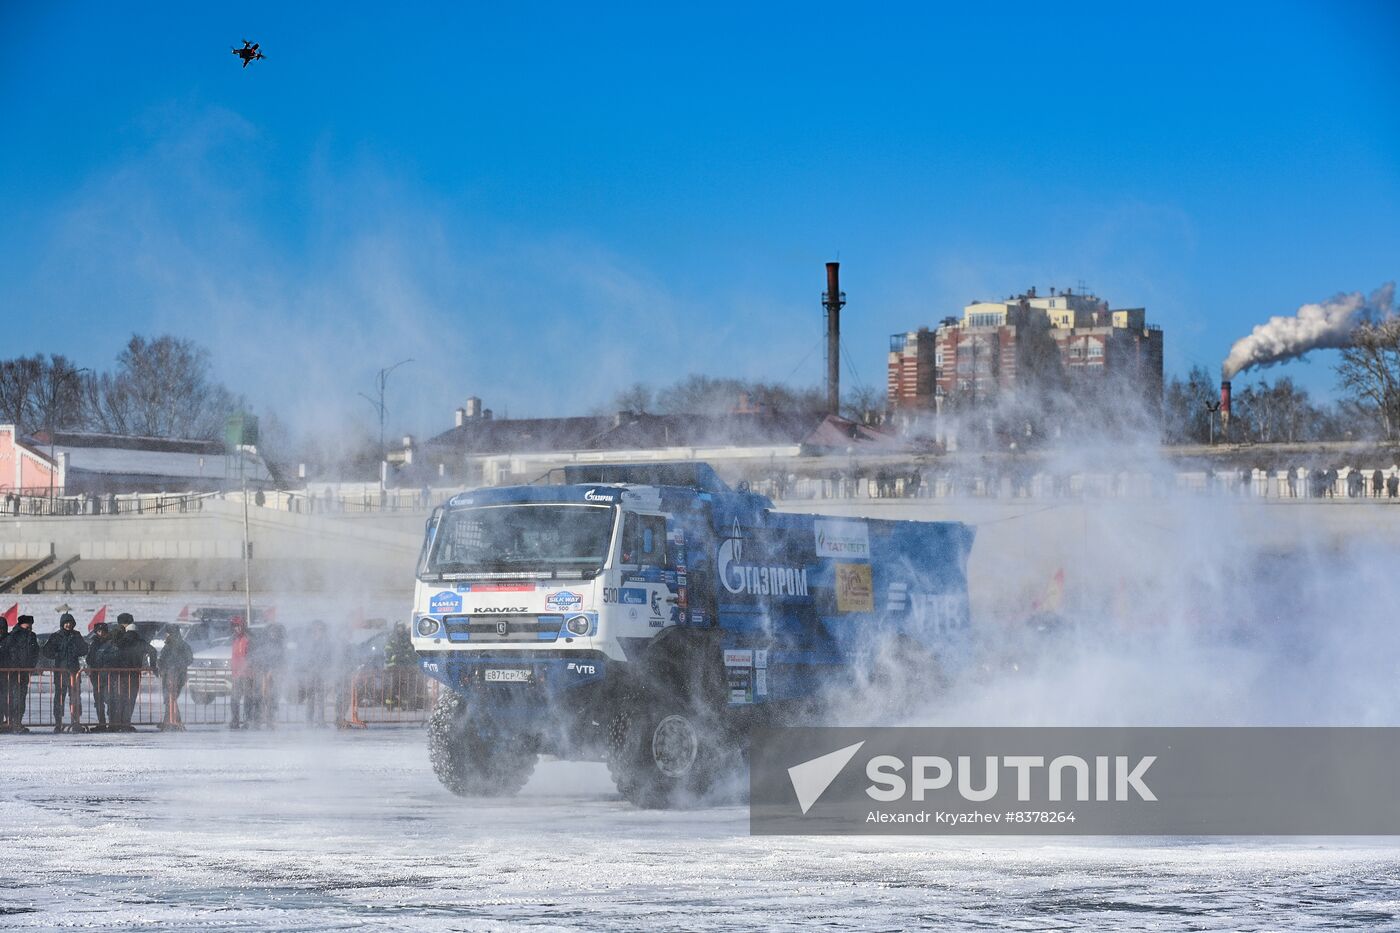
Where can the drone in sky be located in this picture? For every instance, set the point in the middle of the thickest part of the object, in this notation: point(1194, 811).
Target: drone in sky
point(249, 52)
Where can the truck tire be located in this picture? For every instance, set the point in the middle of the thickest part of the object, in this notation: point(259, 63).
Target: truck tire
point(664, 751)
point(469, 758)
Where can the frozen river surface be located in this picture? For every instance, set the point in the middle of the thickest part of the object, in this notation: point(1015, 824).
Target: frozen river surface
point(317, 830)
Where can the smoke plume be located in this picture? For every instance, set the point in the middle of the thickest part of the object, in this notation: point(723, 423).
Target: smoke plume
point(1328, 325)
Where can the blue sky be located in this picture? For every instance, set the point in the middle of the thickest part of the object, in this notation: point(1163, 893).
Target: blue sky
point(541, 204)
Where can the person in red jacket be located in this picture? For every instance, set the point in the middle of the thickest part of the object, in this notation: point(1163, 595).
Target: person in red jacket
point(244, 689)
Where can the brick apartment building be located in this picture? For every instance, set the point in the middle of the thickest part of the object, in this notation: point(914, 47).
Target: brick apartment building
point(991, 348)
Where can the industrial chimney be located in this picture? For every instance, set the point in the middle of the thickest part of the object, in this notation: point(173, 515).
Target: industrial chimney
point(834, 300)
point(1225, 408)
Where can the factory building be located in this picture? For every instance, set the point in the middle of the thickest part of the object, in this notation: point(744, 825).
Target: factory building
point(1028, 340)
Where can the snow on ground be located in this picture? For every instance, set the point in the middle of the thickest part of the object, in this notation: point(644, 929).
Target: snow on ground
point(297, 830)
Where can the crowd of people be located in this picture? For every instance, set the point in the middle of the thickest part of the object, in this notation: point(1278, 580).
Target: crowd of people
point(263, 670)
point(113, 661)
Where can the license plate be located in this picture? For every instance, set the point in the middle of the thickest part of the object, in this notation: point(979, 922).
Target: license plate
point(508, 675)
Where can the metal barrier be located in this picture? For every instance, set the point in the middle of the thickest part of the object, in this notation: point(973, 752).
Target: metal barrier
point(396, 694)
point(123, 699)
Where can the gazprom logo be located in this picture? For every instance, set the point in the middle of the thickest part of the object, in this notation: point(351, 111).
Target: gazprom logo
point(755, 579)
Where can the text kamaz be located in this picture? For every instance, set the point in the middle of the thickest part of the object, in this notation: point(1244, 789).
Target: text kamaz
point(649, 615)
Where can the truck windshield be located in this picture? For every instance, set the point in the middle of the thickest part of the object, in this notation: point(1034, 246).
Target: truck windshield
point(522, 538)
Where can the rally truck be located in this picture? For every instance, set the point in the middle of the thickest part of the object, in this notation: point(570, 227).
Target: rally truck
point(651, 616)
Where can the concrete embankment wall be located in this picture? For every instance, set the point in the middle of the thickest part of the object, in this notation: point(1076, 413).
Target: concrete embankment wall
point(202, 550)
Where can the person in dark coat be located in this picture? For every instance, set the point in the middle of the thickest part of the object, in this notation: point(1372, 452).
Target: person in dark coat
point(134, 655)
point(174, 662)
point(268, 658)
point(21, 654)
point(4, 693)
point(102, 654)
point(66, 648)
point(400, 668)
point(313, 657)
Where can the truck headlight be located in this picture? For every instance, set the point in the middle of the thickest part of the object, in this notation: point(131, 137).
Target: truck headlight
point(428, 626)
point(578, 625)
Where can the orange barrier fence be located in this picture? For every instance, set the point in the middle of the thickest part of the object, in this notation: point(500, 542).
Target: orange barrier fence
point(123, 699)
point(392, 695)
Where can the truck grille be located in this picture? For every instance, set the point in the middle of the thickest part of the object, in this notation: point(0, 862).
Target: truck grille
point(488, 629)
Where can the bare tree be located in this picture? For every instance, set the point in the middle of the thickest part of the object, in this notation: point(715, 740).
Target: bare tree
point(709, 395)
point(161, 388)
point(865, 404)
point(638, 397)
point(59, 395)
point(39, 393)
point(1370, 371)
point(19, 388)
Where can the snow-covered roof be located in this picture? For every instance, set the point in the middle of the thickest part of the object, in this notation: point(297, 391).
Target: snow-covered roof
point(132, 462)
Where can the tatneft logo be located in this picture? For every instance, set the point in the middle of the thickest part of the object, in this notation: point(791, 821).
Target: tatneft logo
point(842, 539)
point(1063, 778)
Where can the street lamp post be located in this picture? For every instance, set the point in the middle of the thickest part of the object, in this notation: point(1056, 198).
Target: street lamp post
point(53, 403)
point(382, 380)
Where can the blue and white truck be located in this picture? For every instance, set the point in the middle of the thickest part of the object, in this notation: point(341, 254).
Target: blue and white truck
point(650, 615)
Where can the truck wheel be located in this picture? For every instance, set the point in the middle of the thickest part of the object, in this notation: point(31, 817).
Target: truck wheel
point(663, 753)
point(470, 758)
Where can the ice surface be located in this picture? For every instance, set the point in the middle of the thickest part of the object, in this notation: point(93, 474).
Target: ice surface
point(298, 830)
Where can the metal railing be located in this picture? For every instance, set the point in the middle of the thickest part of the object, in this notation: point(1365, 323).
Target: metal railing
point(394, 694)
point(122, 699)
point(1343, 484)
point(25, 503)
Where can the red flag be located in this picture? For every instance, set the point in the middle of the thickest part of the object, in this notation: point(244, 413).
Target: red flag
point(11, 614)
point(184, 615)
point(98, 616)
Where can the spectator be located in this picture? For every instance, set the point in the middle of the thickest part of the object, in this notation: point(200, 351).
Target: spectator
point(68, 579)
point(66, 649)
point(21, 654)
point(173, 663)
point(1392, 485)
point(4, 693)
point(242, 701)
point(1356, 484)
point(400, 665)
point(266, 659)
point(312, 659)
point(1377, 483)
point(134, 656)
point(343, 668)
point(101, 658)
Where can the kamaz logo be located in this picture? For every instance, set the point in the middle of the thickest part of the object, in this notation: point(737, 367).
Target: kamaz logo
point(581, 668)
point(503, 628)
point(756, 579)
